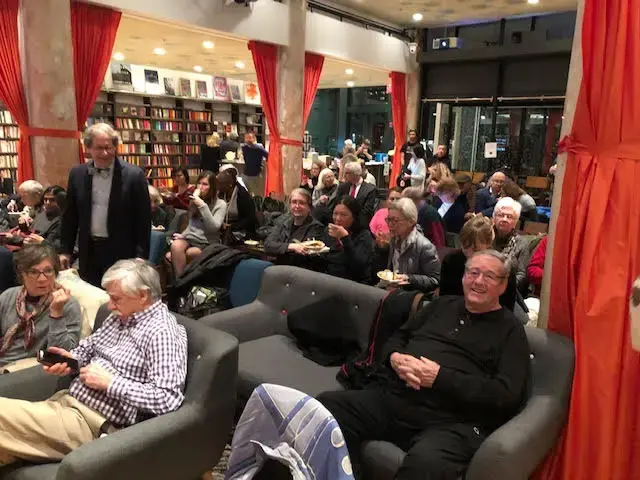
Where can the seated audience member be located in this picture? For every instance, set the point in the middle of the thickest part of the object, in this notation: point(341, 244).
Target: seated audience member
point(508, 240)
point(476, 236)
point(292, 228)
point(206, 218)
point(132, 367)
point(46, 225)
point(354, 186)
point(526, 201)
point(325, 190)
point(486, 198)
point(366, 175)
point(38, 314)
point(180, 195)
point(30, 193)
point(411, 254)
point(351, 244)
point(310, 183)
point(468, 192)
point(211, 154)
point(159, 216)
point(241, 210)
point(455, 372)
point(454, 206)
point(428, 218)
point(231, 169)
point(378, 224)
point(348, 156)
point(535, 270)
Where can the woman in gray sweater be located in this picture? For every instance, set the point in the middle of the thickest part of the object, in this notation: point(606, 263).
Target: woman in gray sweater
point(206, 219)
point(40, 313)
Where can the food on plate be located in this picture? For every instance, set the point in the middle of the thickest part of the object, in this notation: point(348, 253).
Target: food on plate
point(313, 245)
point(387, 276)
point(251, 243)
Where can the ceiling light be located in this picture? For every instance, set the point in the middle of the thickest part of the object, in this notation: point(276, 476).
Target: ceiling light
point(349, 71)
point(350, 83)
point(208, 44)
point(197, 68)
point(239, 64)
point(159, 51)
point(533, 2)
point(119, 56)
point(417, 17)
point(483, 117)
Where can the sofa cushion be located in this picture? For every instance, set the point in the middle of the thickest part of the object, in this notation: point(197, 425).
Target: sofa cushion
point(381, 460)
point(17, 471)
point(277, 359)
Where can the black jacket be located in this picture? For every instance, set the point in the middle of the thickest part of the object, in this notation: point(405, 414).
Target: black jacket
point(351, 260)
point(454, 218)
point(277, 243)
point(247, 217)
point(129, 217)
point(228, 146)
point(485, 202)
point(366, 198)
point(210, 158)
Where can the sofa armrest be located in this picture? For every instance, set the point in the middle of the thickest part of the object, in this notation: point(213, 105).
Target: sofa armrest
point(515, 450)
point(249, 322)
point(32, 384)
point(154, 448)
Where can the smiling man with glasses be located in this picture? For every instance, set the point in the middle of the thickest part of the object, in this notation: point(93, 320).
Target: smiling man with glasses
point(455, 372)
point(40, 313)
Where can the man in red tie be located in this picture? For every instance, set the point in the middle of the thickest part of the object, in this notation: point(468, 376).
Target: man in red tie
point(355, 187)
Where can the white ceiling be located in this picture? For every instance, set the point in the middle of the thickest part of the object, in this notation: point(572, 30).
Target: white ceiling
point(444, 12)
point(137, 37)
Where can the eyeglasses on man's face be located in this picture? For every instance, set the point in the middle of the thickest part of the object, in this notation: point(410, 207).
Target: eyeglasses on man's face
point(476, 273)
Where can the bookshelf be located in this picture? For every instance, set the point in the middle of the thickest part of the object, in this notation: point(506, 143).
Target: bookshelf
point(9, 136)
point(159, 133)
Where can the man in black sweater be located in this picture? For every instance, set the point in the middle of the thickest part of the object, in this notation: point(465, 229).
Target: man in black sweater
point(454, 373)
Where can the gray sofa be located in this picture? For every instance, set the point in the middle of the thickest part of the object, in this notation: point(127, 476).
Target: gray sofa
point(179, 445)
point(268, 353)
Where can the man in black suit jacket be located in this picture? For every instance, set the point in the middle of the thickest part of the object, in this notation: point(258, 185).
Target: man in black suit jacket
point(354, 186)
point(486, 198)
point(108, 208)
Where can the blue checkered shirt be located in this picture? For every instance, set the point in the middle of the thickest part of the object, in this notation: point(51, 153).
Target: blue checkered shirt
point(147, 353)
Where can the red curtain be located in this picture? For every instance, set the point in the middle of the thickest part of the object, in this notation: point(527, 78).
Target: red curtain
point(11, 86)
point(265, 59)
point(93, 31)
point(597, 251)
point(312, 71)
point(399, 113)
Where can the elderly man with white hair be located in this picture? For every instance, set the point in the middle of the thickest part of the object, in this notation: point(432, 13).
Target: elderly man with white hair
point(486, 198)
point(355, 186)
point(132, 367)
point(411, 254)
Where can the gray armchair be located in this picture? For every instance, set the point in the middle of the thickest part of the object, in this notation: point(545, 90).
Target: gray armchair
point(268, 353)
point(179, 445)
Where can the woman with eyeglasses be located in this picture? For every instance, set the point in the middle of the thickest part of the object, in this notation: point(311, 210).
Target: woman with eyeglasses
point(40, 313)
point(411, 255)
point(476, 236)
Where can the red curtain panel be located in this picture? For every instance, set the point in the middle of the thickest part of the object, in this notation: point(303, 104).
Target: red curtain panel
point(11, 86)
point(93, 32)
point(399, 114)
point(265, 60)
point(312, 71)
point(597, 251)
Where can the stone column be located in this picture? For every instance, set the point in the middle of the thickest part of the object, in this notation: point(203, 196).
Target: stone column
point(47, 70)
point(571, 99)
point(414, 96)
point(291, 86)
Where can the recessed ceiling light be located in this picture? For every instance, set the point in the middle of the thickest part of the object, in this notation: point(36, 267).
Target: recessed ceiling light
point(159, 51)
point(197, 68)
point(349, 71)
point(533, 2)
point(350, 83)
point(483, 117)
point(239, 64)
point(119, 56)
point(417, 17)
point(208, 44)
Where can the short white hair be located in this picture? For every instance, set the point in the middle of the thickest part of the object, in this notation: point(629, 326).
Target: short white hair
point(31, 187)
point(99, 128)
point(353, 168)
point(507, 202)
point(323, 174)
point(134, 275)
point(406, 207)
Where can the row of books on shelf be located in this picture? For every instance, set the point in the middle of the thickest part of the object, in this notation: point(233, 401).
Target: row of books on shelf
point(9, 173)
point(158, 172)
point(192, 149)
point(132, 123)
point(132, 110)
point(168, 113)
point(133, 148)
point(198, 127)
point(199, 116)
point(167, 126)
point(150, 161)
point(9, 132)
point(129, 136)
point(192, 138)
point(172, 149)
point(5, 117)
point(7, 161)
point(7, 146)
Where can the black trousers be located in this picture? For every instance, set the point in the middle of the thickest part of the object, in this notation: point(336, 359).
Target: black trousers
point(101, 256)
point(437, 447)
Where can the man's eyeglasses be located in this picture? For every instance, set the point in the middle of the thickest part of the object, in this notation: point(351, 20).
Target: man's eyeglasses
point(35, 274)
point(475, 273)
point(392, 221)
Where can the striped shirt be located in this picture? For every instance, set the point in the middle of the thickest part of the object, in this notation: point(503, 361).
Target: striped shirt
point(147, 353)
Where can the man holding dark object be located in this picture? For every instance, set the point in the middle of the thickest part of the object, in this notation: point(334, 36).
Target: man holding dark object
point(108, 208)
point(454, 373)
point(441, 155)
point(413, 145)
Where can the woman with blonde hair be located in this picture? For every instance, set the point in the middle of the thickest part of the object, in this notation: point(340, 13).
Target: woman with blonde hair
point(437, 172)
point(210, 155)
